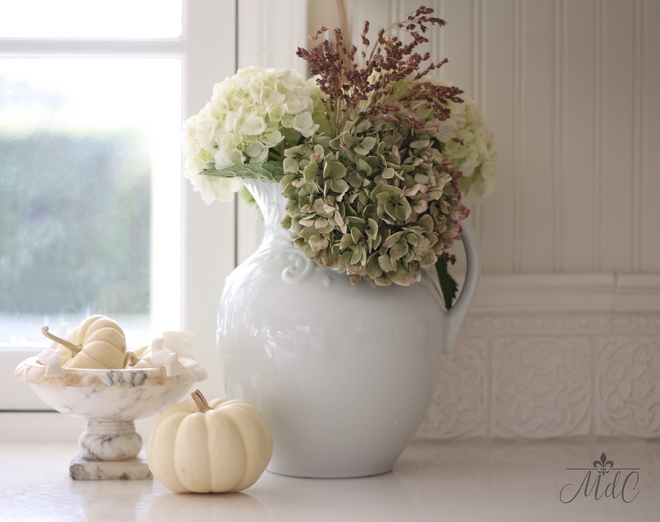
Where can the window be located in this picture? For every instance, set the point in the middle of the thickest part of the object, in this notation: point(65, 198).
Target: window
point(97, 217)
point(81, 160)
point(70, 19)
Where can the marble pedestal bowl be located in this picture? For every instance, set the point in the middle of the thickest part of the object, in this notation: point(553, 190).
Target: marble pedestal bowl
point(110, 401)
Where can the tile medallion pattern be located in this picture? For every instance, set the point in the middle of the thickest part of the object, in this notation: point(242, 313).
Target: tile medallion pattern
point(460, 403)
point(628, 386)
point(553, 374)
point(541, 387)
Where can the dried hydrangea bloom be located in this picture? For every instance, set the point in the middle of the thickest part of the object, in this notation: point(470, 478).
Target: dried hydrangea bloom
point(464, 140)
point(389, 75)
point(378, 202)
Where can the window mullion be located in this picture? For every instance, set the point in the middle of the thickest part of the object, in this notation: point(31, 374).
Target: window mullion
point(94, 47)
point(208, 233)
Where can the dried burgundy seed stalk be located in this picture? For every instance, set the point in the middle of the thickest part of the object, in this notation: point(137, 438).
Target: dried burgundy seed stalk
point(355, 89)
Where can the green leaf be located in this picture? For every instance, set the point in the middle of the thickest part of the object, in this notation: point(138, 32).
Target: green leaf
point(310, 172)
point(447, 283)
point(403, 210)
point(372, 228)
point(385, 263)
point(355, 179)
point(388, 173)
point(368, 142)
point(334, 169)
point(373, 268)
point(318, 242)
point(399, 250)
point(346, 241)
point(290, 165)
point(338, 185)
point(356, 234)
point(286, 222)
point(269, 171)
point(392, 239)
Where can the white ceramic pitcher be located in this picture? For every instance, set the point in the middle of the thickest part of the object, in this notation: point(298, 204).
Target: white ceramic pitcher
point(344, 374)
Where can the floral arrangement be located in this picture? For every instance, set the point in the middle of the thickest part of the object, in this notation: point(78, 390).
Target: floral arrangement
point(373, 153)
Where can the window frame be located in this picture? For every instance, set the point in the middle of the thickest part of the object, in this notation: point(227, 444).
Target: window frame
point(207, 233)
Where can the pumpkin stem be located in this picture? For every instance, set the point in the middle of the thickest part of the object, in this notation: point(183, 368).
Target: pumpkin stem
point(130, 360)
point(74, 349)
point(200, 400)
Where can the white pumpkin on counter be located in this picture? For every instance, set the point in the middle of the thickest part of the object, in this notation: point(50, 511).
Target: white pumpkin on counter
point(203, 447)
point(98, 342)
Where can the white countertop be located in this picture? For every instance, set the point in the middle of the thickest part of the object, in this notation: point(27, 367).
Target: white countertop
point(468, 479)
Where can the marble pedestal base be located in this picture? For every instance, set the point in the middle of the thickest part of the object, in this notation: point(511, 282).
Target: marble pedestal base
point(133, 469)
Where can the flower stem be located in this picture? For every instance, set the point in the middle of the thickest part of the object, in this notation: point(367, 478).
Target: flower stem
point(74, 349)
point(130, 360)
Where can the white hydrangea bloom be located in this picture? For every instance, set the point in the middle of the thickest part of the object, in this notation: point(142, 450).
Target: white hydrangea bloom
point(475, 156)
point(253, 111)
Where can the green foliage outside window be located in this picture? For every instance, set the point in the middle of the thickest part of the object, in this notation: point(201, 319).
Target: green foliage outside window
point(74, 223)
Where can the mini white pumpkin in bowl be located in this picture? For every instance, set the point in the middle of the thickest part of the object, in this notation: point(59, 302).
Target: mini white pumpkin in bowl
point(107, 395)
point(98, 342)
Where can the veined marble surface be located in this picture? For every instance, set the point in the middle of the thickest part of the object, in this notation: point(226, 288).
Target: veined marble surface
point(110, 400)
point(108, 395)
point(456, 480)
point(133, 469)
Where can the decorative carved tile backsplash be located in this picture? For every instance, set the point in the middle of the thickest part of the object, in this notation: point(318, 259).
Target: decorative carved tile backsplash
point(627, 386)
point(541, 387)
point(550, 374)
point(460, 405)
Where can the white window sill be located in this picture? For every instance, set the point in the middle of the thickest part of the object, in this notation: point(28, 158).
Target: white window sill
point(456, 480)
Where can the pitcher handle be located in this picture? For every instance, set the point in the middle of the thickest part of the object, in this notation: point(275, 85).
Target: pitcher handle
point(457, 313)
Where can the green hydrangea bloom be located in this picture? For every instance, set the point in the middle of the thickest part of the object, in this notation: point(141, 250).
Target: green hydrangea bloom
point(378, 202)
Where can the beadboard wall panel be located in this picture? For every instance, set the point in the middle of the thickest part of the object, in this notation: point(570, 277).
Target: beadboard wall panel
point(568, 88)
point(616, 183)
point(537, 194)
point(500, 219)
point(271, 32)
point(579, 130)
point(649, 125)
